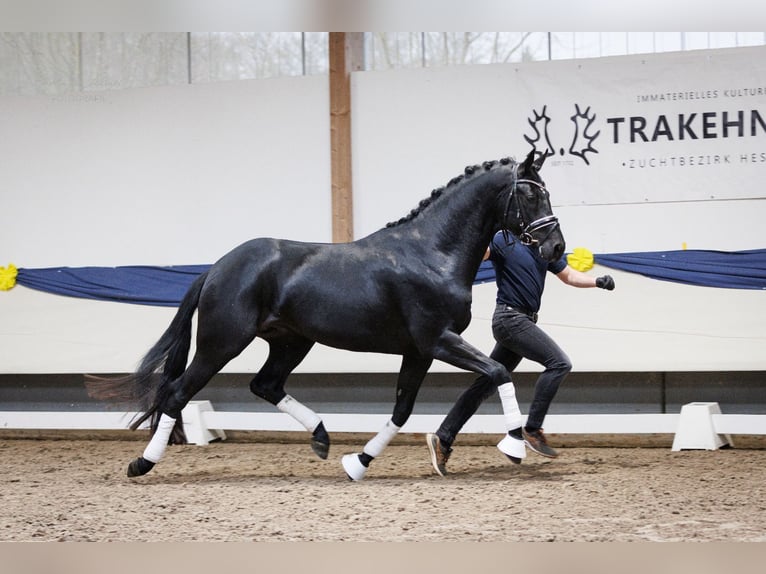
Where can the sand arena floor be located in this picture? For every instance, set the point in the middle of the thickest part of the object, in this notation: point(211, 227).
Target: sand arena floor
point(72, 489)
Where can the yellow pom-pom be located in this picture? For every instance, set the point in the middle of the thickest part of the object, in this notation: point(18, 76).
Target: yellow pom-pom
point(8, 277)
point(580, 259)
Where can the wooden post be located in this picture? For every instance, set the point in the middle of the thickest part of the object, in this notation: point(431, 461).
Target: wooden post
point(346, 55)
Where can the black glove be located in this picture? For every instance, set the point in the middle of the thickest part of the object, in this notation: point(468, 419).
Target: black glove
point(605, 282)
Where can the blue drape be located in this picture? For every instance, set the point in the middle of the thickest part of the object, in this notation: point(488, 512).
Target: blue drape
point(144, 285)
point(729, 269)
point(165, 286)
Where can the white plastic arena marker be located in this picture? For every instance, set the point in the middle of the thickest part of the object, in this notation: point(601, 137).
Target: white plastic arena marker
point(156, 447)
point(301, 413)
point(197, 432)
point(696, 430)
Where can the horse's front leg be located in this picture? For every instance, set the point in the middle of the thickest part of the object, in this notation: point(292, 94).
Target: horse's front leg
point(411, 375)
point(455, 350)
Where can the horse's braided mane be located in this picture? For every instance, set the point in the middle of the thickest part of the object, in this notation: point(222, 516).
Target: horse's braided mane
point(469, 171)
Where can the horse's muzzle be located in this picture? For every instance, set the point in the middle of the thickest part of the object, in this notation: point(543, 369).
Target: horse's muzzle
point(554, 252)
point(552, 248)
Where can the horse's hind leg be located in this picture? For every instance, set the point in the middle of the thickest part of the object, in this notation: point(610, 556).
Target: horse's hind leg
point(285, 354)
point(411, 375)
point(214, 350)
point(197, 375)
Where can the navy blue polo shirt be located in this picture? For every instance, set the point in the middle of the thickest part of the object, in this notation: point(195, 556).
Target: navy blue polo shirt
point(520, 272)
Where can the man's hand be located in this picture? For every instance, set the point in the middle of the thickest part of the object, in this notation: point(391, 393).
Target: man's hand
point(605, 282)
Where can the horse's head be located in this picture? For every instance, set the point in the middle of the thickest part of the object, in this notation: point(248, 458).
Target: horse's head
point(528, 213)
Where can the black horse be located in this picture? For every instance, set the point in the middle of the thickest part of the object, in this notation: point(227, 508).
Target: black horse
point(403, 290)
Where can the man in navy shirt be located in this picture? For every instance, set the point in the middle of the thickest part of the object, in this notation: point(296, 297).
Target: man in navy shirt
point(520, 275)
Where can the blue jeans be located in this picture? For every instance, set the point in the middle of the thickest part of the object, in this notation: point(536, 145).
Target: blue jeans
point(517, 337)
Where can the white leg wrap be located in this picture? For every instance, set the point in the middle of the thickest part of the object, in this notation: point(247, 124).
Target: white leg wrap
point(511, 411)
point(380, 441)
point(300, 412)
point(156, 447)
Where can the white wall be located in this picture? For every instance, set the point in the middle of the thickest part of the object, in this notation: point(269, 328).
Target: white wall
point(155, 176)
point(96, 180)
point(161, 176)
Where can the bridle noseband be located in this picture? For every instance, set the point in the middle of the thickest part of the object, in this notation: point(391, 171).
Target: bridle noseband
point(527, 230)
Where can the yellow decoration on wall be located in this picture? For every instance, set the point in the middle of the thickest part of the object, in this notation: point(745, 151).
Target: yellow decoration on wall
point(8, 277)
point(580, 259)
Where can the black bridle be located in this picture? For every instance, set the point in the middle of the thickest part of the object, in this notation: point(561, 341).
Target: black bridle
point(549, 221)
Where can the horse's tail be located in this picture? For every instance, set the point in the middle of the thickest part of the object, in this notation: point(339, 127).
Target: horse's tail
point(147, 387)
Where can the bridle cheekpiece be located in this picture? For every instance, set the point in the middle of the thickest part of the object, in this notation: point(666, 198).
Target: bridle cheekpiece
point(527, 230)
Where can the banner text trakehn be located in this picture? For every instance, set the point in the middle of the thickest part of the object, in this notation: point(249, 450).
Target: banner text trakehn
point(692, 126)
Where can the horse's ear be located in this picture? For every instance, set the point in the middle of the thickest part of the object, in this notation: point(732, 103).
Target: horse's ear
point(534, 161)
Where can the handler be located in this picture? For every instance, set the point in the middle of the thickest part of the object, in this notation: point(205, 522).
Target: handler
point(520, 276)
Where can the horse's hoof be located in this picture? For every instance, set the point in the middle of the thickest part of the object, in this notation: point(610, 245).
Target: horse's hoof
point(513, 448)
point(139, 467)
point(321, 449)
point(320, 442)
point(354, 468)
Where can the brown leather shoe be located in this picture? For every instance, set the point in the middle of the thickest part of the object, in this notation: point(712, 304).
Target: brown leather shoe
point(536, 441)
point(439, 454)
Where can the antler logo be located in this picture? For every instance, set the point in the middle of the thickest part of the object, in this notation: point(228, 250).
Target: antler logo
point(582, 140)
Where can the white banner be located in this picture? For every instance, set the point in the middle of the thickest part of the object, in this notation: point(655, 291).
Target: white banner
point(672, 127)
point(657, 128)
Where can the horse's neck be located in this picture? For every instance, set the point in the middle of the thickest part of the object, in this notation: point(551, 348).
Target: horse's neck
point(461, 226)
